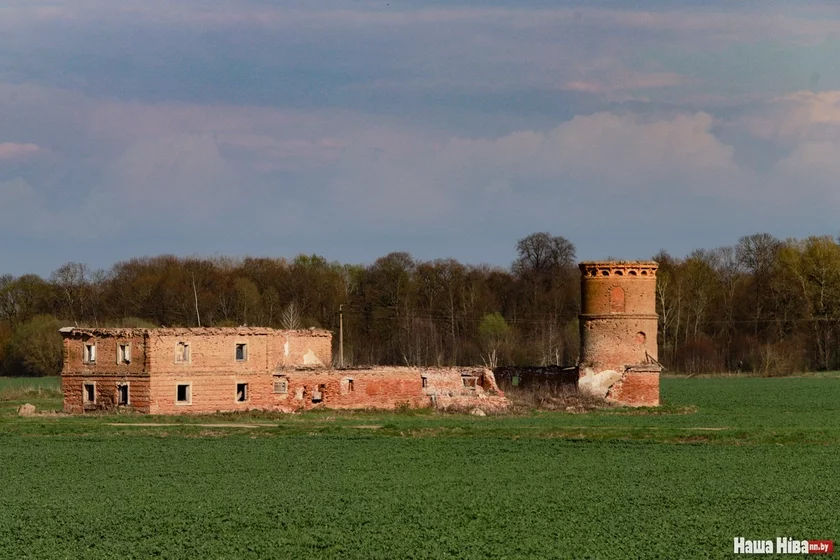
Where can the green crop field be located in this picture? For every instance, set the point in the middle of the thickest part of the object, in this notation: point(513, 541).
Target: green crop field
point(725, 457)
point(8, 384)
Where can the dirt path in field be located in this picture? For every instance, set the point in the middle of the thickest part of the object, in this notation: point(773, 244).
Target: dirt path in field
point(225, 425)
point(641, 427)
point(377, 427)
point(162, 425)
point(706, 429)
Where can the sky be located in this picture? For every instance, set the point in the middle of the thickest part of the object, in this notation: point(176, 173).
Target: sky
point(352, 129)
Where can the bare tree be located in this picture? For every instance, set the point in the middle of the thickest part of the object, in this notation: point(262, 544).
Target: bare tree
point(729, 270)
point(541, 252)
point(71, 280)
point(758, 254)
point(290, 318)
point(247, 301)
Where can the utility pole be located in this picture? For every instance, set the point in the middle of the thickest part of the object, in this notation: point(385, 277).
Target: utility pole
point(195, 295)
point(341, 336)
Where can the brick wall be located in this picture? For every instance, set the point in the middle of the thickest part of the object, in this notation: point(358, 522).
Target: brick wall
point(637, 280)
point(381, 387)
point(105, 392)
point(208, 392)
point(613, 342)
point(106, 344)
point(209, 352)
point(372, 388)
point(618, 322)
point(636, 388)
point(310, 348)
point(107, 371)
point(213, 371)
point(281, 370)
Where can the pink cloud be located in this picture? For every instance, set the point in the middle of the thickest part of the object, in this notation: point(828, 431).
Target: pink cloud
point(628, 81)
point(802, 116)
point(13, 150)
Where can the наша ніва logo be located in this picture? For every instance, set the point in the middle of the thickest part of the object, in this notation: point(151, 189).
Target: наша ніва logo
point(782, 545)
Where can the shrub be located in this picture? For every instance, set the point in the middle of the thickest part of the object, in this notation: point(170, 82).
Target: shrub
point(36, 349)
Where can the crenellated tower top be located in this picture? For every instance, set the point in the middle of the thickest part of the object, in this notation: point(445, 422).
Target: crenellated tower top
point(625, 269)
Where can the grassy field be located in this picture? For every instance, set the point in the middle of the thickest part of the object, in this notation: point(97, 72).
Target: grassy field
point(724, 457)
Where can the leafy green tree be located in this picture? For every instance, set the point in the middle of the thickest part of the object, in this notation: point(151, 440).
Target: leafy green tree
point(495, 333)
point(36, 348)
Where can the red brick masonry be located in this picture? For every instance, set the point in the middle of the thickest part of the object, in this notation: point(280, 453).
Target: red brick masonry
point(618, 327)
point(205, 370)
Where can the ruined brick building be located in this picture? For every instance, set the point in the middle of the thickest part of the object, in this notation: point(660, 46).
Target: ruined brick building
point(205, 370)
point(618, 326)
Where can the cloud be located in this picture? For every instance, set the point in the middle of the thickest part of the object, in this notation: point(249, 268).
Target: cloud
point(175, 181)
point(22, 208)
point(628, 82)
point(605, 149)
point(813, 168)
point(334, 54)
point(715, 19)
point(247, 118)
point(589, 160)
point(166, 184)
point(174, 166)
point(817, 108)
point(802, 116)
point(14, 193)
point(799, 135)
point(729, 23)
point(14, 151)
point(267, 138)
point(619, 84)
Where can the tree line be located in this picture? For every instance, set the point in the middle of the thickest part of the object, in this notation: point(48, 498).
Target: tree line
point(761, 305)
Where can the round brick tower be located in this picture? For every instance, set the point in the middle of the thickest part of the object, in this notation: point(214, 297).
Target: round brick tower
point(618, 325)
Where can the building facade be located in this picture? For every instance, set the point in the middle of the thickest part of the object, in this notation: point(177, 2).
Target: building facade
point(618, 328)
point(207, 370)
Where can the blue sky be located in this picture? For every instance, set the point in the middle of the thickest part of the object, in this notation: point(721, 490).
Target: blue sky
point(354, 128)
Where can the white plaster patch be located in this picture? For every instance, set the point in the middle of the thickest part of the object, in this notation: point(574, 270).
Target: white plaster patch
point(598, 384)
point(310, 359)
